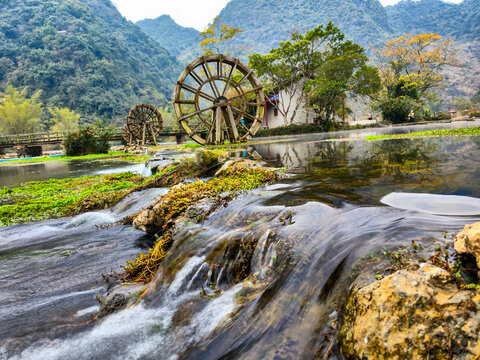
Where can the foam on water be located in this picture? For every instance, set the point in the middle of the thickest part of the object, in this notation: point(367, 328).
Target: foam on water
point(453, 205)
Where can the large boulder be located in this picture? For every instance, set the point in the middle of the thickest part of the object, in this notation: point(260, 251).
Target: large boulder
point(468, 241)
point(411, 314)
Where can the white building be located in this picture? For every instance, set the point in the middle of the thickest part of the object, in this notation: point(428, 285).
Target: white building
point(288, 104)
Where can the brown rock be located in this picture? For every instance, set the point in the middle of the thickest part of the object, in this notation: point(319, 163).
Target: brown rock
point(468, 241)
point(411, 314)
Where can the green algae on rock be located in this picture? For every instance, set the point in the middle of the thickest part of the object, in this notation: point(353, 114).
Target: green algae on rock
point(160, 218)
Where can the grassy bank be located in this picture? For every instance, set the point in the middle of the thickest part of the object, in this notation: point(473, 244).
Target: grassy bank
point(298, 129)
point(430, 133)
point(40, 200)
point(54, 198)
point(112, 155)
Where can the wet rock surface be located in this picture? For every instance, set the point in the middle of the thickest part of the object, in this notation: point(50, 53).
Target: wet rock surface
point(152, 219)
point(468, 241)
point(411, 314)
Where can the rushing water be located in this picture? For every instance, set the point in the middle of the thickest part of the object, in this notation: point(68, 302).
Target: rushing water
point(262, 278)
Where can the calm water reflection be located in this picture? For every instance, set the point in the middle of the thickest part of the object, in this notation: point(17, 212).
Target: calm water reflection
point(11, 175)
point(361, 171)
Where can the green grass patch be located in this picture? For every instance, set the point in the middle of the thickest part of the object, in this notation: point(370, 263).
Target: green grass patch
point(430, 133)
point(40, 200)
point(112, 155)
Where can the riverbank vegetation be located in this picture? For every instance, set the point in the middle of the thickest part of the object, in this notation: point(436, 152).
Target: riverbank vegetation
point(317, 70)
point(111, 155)
point(40, 200)
point(430, 133)
point(410, 68)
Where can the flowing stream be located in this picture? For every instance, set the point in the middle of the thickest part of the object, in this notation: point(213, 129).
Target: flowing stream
point(262, 278)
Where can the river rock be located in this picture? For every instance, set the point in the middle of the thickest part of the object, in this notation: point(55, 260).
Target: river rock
point(201, 163)
point(468, 241)
point(237, 164)
point(411, 314)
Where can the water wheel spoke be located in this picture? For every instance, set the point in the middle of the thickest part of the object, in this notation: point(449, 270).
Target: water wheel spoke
point(197, 91)
point(185, 117)
point(220, 66)
point(182, 101)
point(196, 77)
point(230, 78)
point(246, 114)
point(245, 93)
point(246, 76)
point(202, 122)
point(206, 68)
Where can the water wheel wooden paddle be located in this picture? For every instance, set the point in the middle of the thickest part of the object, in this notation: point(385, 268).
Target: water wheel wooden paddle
point(127, 135)
point(144, 123)
point(218, 98)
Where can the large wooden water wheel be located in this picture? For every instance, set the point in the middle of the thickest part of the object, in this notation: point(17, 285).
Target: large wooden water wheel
point(144, 123)
point(218, 98)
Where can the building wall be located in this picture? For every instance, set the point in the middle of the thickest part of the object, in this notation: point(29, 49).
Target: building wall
point(301, 117)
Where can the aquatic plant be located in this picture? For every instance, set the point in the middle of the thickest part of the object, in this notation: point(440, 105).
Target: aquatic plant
point(475, 131)
point(39, 200)
point(144, 266)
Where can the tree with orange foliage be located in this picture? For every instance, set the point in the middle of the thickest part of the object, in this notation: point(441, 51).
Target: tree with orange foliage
point(410, 67)
point(217, 38)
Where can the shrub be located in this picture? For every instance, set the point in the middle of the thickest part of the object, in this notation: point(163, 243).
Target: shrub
point(474, 114)
point(90, 139)
point(293, 129)
point(439, 116)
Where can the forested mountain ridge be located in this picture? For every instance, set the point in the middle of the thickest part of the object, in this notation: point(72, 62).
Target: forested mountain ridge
point(180, 41)
point(265, 23)
point(367, 22)
point(460, 21)
point(83, 55)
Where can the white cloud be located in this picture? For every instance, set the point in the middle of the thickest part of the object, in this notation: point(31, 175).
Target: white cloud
point(190, 13)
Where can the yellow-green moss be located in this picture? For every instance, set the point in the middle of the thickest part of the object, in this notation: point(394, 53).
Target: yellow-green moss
point(174, 204)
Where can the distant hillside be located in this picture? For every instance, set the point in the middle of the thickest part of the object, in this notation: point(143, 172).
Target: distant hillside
point(180, 41)
point(461, 21)
point(265, 23)
point(84, 55)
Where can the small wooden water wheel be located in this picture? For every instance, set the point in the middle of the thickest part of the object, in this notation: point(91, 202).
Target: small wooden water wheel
point(218, 98)
point(144, 123)
point(127, 135)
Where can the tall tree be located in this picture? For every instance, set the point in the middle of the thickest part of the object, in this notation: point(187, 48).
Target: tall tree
point(410, 70)
point(19, 114)
point(217, 38)
point(318, 70)
point(64, 119)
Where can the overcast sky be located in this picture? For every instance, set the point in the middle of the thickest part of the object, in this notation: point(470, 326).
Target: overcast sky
point(189, 13)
